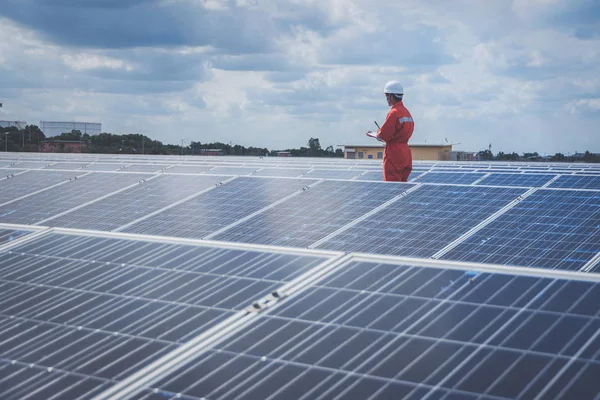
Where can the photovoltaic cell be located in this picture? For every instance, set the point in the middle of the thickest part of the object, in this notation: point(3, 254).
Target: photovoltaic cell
point(32, 181)
point(66, 165)
point(304, 219)
point(288, 172)
point(465, 178)
point(81, 313)
point(218, 207)
point(187, 169)
point(144, 167)
point(8, 235)
point(134, 203)
point(386, 331)
point(61, 198)
point(577, 182)
point(222, 170)
point(557, 229)
point(333, 173)
point(529, 180)
point(104, 167)
point(423, 222)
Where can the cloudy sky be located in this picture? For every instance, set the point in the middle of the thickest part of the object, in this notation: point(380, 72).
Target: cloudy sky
point(523, 75)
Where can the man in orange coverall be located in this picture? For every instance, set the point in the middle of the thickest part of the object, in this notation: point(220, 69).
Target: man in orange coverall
point(395, 132)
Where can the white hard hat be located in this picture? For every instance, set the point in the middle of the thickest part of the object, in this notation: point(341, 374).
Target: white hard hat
point(393, 87)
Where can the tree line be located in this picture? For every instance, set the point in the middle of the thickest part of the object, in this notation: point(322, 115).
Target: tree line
point(32, 139)
point(487, 155)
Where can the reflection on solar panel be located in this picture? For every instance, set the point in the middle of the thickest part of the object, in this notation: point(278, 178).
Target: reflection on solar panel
point(78, 314)
point(450, 177)
point(281, 172)
point(423, 222)
point(231, 171)
point(144, 167)
point(218, 207)
point(312, 215)
point(61, 198)
point(187, 169)
point(387, 331)
point(66, 165)
point(557, 229)
point(577, 182)
point(135, 202)
point(32, 181)
point(8, 235)
point(531, 180)
point(104, 167)
point(333, 173)
point(30, 164)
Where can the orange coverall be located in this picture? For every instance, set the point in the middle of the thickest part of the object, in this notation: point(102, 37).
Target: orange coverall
point(395, 132)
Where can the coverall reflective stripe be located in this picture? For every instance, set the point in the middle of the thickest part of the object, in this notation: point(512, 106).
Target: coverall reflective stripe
point(395, 132)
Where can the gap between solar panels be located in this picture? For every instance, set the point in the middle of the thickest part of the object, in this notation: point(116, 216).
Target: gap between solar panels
point(484, 223)
point(365, 216)
point(271, 205)
point(172, 205)
point(46, 188)
point(141, 181)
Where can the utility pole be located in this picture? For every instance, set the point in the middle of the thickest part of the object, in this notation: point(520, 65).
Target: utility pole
point(143, 143)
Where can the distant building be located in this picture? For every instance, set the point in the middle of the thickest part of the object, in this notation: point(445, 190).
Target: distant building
point(62, 146)
point(284, 154)
point(419, 151)
point(459, 156)
point(55, 128)
point(16, 124)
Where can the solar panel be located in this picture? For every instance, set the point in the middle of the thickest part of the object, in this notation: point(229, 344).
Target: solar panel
point(8, 235)
point(504, 179)
point(423, 222)
point(78, 314)
point(450, 177)
point(288, 172)
point(231, 170)
point(32, 181)
point(66, 165)
point(315, 213)
point(62, 198)
point(333, 173)
point(144, 167)
point(135, 202)
point(31, 164)
point(104, 167)
point(557, 229)
point(384, 330)
point(577, 182)
point(218, 207)
point(187, 169)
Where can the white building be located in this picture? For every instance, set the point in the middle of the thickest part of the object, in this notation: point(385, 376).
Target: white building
point(55, 128)
point(17, 124)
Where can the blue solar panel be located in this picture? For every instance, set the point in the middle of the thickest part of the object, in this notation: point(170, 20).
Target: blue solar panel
point(423, 222)
point(218, 207)
point(8, 235)
point(450, 177)
point(530, 180)
point(78, 314)
point(557, 229)
point(577, 182)
point(304, 219)
point(386, 331)
point(334, 173)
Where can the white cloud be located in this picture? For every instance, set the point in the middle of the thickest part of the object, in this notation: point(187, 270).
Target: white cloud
point(273, 73)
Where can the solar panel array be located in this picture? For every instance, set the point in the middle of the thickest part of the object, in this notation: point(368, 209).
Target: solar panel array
point(167, 277)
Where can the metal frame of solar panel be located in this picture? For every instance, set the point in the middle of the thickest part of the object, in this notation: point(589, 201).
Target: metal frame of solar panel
point(448, 330)
point(522, 219)
point(82, 310)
